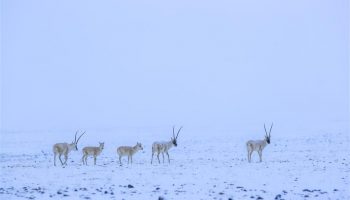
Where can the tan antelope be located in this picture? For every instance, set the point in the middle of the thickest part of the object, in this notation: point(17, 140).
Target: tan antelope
point(65, 148)
point(258, 145)
point(128, 151)
point(163, 147)
point(92, 151)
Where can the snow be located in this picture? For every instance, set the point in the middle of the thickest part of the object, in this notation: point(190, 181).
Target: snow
point(208, 167)
point(127, 71)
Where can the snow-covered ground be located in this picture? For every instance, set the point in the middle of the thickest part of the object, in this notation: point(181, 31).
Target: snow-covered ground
point(213, 166)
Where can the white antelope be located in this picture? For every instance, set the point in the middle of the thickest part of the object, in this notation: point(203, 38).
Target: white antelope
point(258, 145)
point(128, 151)
point(65, 148)
point(93, 151)
point(163, 147)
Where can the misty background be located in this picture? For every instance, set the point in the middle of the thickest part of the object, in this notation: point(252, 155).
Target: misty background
point(206, 65)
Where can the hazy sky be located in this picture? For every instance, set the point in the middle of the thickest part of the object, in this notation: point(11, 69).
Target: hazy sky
point(215, 64)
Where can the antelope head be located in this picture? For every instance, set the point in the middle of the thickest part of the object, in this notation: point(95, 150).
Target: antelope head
point(74, 144)
point(268, 136)
point(139, 146)
point(102, 145)
point(174, 138)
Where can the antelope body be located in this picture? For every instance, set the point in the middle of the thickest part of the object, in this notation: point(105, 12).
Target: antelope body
point(258, 145)
point(128, 151)
point(65, 148)
point(163, 147)
point(92, 151)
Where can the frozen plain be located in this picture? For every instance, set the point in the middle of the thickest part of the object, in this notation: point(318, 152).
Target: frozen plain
point(211, 166)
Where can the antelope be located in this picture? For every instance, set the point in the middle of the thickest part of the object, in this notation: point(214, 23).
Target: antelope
point(128, 151)
point(258, 145)
point(93, 151)
point(163, 147)
point(65, 148)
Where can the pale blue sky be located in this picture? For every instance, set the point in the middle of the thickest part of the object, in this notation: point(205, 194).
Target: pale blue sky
point(204, 64)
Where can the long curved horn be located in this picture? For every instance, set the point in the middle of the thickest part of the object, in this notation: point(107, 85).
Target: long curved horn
point(178, 132)
point(270, 129)
point(174, 132)
point(75, 137)
point(80, 137)
point(265, 130)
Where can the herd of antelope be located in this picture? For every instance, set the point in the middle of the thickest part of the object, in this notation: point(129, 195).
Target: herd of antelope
point(157, 148)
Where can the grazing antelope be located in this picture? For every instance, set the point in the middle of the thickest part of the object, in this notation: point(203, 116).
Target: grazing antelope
point(258, 145)
point(128, 151)
point(65, 148)
point(93, 151)
point(163, 147)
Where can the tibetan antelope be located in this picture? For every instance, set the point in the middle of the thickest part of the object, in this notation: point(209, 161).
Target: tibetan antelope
point(128, 151)
point(65, 148)
point(163, 147)
point(93, 151)
point(258, 145)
